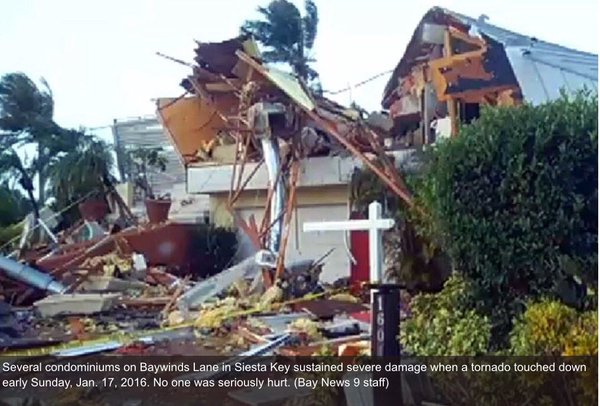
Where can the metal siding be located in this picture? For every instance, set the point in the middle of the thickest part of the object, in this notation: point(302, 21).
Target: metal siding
point(541, 80)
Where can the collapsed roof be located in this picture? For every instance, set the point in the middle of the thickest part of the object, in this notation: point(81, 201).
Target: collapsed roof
point(229, 78)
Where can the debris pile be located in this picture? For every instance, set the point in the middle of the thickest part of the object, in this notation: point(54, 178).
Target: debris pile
point(63, 299)
point(127, 282)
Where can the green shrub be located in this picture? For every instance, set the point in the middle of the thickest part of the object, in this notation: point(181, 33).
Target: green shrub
point(513, 196)
point(549, 327)
point(441, 324)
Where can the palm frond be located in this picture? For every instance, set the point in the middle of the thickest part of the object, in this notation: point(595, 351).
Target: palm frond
point(310, 21)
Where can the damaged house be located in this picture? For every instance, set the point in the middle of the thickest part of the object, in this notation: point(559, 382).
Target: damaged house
point(454, 64)
point(271, 155)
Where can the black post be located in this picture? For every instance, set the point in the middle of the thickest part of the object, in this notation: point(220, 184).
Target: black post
point(385, 346)
point(385, 321)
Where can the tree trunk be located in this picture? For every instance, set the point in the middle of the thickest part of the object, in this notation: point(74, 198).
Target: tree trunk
point(27, 183)
point(41, 187)
point(41, 166)
point(34, 205)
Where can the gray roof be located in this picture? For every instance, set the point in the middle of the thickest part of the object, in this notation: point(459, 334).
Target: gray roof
point(542, 68)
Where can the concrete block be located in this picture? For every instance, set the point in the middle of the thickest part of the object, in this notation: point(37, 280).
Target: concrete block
point(76, 303)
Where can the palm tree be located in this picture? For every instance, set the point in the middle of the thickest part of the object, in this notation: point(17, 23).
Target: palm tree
point(12, 167)
point(288, 36)
point(81, 172)
point(14, 205)
point(26, 119)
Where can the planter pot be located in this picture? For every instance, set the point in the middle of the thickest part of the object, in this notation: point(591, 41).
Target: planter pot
point(157, 210)
point(93, 209)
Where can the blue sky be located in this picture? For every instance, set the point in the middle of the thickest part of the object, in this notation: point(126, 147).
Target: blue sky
point(99, 56)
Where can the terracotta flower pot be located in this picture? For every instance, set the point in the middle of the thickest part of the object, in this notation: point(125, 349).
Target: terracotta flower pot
point(94, 209)
point(157, 210)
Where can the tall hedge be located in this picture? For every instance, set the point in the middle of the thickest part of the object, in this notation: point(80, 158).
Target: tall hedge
point(514, 198)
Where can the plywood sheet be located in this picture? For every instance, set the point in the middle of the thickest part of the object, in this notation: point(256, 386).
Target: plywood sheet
point(190, 122)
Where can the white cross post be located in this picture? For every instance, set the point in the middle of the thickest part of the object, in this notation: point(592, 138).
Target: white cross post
point(375, 224)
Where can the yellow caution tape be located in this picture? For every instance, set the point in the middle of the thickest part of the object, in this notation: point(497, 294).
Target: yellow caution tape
point(129, 338)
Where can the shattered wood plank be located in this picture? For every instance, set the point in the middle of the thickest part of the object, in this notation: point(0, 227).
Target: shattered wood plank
point(397, 189)
point(241, 223)
point(250, 336)
point(243, 159)
point(221, 87)
point(456, 33)
point(178, 292)
point(253, 225)
point(89, 252)
point(452, 110)
point(388, 165)
point(201, 91)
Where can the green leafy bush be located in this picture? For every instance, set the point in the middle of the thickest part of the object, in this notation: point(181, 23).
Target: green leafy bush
point(513, 196)
point(441, 324)
point(549, 327)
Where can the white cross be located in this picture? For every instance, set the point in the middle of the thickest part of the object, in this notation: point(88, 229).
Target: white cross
point(375, 224)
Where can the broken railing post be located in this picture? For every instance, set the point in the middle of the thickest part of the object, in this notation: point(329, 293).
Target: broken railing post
point(385, 298)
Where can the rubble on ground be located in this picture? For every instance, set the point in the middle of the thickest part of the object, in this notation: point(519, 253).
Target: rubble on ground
point(128, 281)
point(123, 294)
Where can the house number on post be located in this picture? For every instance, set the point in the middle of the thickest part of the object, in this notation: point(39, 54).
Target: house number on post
point(380, 327)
